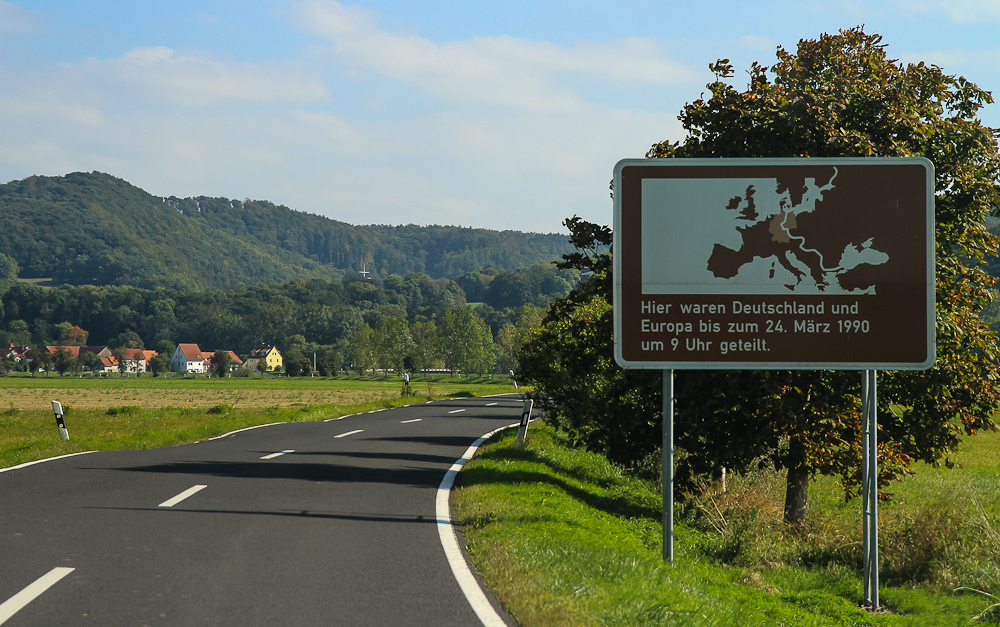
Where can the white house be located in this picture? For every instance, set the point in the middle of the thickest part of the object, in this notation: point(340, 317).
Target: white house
point(188, 357)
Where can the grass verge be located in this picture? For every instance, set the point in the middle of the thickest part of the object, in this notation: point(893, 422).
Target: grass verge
point(564, 538)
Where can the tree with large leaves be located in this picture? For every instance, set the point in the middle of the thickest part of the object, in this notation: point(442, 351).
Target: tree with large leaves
point(836, 96)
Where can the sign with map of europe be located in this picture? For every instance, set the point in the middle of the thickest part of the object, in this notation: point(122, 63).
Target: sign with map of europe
point(774, 263)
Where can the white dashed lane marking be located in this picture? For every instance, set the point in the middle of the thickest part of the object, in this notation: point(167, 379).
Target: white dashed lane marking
point(278, 454)
point(183, 495)
point(12, 605)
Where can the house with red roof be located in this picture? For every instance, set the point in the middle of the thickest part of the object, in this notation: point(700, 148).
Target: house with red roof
point(106, 365)
point(188, 357)
point(234, 361)
point(137, 360)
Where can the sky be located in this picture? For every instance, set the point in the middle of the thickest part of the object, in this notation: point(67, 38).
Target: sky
point(498, 115)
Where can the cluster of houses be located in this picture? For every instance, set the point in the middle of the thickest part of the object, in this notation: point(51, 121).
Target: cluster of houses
point(186, 358)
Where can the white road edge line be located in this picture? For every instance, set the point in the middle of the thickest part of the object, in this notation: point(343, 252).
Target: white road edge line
point(226, 435)
point(278, 454)
point(183, 495)
point(344, 435)
point(449, 541)
point(12, 605)
point(47, 459)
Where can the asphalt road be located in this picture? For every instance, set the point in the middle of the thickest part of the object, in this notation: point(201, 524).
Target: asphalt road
point(329, 523)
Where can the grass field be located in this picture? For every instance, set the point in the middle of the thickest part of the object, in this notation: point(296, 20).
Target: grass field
point(563, 538)
point(152, 412)
point(37, 393)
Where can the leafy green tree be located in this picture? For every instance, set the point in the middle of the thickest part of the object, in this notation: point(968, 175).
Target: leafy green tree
point(63, 361)
point(513, 335)
point(363, 349)
point(161, 363)
point(221, 361)
point(392, 343)
point(8, 364)
point(18, 331)
point(426, 345)
point(837, 96)
point(121, 358)
point(469, 345)
point(8, 267)
point(29, 363)
point(330, 362)
point(126, 339)
point(296, 363)
point(86, 360)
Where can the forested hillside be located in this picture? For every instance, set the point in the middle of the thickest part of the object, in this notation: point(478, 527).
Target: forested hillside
point(368, 322)
point(95, 229)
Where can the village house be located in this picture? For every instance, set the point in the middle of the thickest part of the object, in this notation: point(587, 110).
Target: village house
point(234, 363)
point(188, 357)
point(268, 355)
point(106, 365)
point(16, 353)
point(137, 360)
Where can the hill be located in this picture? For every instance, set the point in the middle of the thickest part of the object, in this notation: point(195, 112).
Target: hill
point(93, 228)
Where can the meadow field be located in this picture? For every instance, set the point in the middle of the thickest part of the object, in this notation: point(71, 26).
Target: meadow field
point(87, 393)
point(151, 412)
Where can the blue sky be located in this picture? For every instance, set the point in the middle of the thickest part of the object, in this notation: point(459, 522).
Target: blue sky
point(502, 115)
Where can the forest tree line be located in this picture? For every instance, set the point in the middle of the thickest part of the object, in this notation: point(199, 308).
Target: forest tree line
point(93, 228)
point(407, 322)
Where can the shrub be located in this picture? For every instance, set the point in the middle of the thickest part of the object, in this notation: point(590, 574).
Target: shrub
point(129, 410)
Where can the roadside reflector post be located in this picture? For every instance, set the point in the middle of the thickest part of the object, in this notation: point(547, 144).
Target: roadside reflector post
point(522, 431)
point(58, 411)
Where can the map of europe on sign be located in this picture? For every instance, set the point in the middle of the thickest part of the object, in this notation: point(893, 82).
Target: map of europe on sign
point(774, 263)
point(778, 236)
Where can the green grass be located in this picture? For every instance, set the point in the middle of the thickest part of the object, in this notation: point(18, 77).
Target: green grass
point(564, 538)
point(28, 435)
point(175, 381)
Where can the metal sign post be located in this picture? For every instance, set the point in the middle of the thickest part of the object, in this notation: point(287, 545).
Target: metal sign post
point(869, 486)
point(668, 466)
point(522, 430)
point(775, 264)
point(58, 411)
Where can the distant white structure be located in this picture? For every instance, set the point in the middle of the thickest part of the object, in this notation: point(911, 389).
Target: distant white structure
point(188, 357)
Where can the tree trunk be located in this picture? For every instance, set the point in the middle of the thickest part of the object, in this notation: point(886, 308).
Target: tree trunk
point(797, 486)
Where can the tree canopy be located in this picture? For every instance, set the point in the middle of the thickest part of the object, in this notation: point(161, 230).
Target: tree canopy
point(93, 228)
point(838, 95)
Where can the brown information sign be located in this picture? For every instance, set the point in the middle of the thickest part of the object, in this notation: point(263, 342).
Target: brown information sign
point(774, 263)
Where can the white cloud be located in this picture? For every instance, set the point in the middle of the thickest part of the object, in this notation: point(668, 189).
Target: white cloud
point(759, 42)
point(197, 79)
point(519, 136)
point(962, 11)
point(15, 21)
point(533, 76)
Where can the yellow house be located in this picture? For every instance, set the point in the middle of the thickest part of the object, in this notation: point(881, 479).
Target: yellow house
point(268, 355)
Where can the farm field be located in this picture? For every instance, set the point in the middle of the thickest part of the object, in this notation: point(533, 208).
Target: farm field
point(37, 393)
point(152, 412)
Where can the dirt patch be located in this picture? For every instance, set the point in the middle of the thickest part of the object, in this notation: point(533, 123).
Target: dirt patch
point(86, 399)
